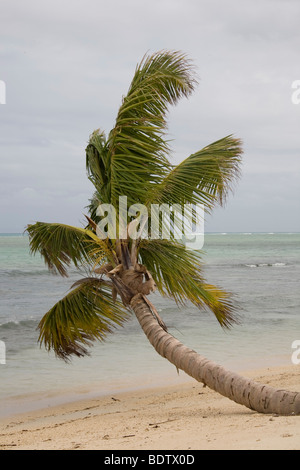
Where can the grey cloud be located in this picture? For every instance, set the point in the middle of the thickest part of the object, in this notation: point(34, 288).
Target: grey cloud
point(67, 64)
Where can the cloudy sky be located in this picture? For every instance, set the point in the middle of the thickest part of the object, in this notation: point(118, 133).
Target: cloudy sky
point(66, 65)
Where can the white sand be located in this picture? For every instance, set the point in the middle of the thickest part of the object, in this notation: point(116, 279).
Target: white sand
point(184, 417)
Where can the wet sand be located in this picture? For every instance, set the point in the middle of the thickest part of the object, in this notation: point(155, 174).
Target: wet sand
point(182, 417)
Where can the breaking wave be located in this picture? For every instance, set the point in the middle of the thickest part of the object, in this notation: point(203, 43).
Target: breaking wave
point(262, 265)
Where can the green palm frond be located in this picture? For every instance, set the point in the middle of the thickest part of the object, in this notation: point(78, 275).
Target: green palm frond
point(218, 301)
point(137, 150)
point(98, 164)
point(92, 207)
point(177, 273)
point(205, 177)
point(85, 314)
point(60, 245)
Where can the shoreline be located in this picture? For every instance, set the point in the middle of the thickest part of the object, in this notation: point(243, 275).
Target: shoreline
point(183, 416)
point(49, 398)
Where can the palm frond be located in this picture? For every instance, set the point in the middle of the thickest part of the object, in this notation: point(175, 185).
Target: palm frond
point(93, 205)
point(220, 302)
point(172, 267)
point(137, 150)
point(86, 314)
point(205, 177)
point(177, 273)
point(60, 245)
point(98, 164)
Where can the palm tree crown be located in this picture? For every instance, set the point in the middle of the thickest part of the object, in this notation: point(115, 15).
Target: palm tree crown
point(134, 161)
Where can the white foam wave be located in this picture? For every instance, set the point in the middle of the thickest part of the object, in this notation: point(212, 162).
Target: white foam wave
point(262, 265)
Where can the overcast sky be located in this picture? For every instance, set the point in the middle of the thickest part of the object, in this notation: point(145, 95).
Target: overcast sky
point(67, 64)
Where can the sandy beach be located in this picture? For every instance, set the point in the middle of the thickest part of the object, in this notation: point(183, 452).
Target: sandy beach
point(182, 417)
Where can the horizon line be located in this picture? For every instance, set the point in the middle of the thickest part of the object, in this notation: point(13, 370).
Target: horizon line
point(208, 233)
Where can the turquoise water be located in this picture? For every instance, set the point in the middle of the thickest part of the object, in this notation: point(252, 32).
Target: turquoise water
point(262, 270)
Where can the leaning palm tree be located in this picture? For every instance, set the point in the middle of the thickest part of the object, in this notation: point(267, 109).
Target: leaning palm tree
point(122, 269)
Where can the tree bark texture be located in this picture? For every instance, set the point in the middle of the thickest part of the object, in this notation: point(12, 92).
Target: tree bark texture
point(242, 390)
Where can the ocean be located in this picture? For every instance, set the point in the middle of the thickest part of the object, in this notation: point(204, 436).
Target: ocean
point(261, 269)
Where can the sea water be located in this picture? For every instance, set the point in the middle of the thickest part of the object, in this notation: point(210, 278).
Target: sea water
point(262, 270)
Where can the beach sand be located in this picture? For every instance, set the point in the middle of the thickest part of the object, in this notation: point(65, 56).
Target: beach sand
point(182, 417)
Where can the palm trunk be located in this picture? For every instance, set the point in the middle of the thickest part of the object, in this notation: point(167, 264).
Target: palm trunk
point(253, 395)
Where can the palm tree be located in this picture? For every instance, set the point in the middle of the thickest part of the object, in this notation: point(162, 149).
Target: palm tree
point(133, 161)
